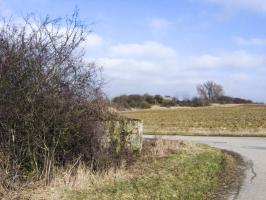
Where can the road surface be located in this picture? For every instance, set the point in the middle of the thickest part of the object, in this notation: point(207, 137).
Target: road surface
point(252, 149)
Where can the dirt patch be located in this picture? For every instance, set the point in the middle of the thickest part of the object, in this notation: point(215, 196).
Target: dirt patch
point(233, 176)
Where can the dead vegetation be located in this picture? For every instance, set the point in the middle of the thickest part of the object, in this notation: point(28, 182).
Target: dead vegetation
point(159, 147)
point(65, 183)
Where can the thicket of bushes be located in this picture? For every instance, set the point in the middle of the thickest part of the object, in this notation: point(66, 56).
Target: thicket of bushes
point(52, 107)
point(197, 102)
point(234, 100)
point(147, 101)
point(141, 101)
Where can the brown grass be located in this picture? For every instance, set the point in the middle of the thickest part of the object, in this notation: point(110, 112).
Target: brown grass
point(240, 120)
point(158, 147)
point(83, 180)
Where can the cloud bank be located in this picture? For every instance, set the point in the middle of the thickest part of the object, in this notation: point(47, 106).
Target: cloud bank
point(157, 68)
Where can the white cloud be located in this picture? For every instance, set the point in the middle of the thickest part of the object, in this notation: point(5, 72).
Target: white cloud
point(146, 50)
point(156, 68)
point(160, 23)
point(240, 77)
point(250, 42)
point(236, 59)
point(254, 5)
point(122, 66)
point(244, 59)
point(137, 67)
point(140, 66)
point(205, 61)
point(93, 41)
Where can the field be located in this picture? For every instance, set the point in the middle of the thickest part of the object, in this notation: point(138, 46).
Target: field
point(192, 172)
point(235, 120)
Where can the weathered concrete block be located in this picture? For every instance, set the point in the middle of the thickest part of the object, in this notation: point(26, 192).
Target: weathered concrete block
point(125, 135)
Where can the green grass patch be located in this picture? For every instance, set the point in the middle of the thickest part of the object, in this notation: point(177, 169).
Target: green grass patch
point(194, 174)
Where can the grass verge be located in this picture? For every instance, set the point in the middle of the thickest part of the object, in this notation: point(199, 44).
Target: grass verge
point(167, 170)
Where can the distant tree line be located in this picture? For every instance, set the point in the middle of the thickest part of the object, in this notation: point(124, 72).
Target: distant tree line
point(212, 92)
point(142, 101)
point(208, 93)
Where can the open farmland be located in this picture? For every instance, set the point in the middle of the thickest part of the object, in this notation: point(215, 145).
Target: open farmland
point(241, 120)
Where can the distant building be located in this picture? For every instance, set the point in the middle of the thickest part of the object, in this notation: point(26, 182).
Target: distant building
point(168, 98)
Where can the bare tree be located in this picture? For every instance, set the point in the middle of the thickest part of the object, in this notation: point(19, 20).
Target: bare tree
point(210, 91)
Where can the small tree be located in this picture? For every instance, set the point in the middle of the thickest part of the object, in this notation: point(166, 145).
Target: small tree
point(210, 91)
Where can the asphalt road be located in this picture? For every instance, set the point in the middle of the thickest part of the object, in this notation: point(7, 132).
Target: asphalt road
point(252, 149)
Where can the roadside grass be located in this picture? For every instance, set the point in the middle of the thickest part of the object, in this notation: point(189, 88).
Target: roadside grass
point(241, 120)
point(167, 170)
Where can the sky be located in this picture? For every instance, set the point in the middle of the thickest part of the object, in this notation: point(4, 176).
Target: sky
point(167, 47)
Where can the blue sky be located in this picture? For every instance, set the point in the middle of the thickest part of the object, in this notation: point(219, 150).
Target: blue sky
point(169, 46)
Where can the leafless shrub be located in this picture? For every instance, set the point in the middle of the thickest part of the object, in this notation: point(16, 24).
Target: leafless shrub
point(50, 98)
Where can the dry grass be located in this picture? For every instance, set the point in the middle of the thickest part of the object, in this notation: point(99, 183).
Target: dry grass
point(166, 169)
point(8, 194)
point(158, 147)
point(246, 120)
point(66, 183)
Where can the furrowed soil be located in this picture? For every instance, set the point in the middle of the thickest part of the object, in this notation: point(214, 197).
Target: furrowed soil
point(236, 120)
